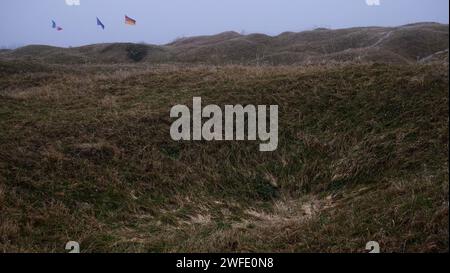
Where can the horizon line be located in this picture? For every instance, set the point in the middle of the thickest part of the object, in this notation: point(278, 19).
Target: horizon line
point(242, 33)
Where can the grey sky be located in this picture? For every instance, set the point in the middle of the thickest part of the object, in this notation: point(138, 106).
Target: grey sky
point(161, 21)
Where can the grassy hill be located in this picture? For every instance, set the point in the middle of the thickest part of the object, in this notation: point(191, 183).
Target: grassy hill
point(403, 44)
point(85, 155)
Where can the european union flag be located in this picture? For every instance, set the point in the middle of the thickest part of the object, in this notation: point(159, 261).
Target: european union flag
point(99, 23)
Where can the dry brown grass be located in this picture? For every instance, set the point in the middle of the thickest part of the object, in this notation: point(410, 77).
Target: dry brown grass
point(85, 155)
point(399, 45)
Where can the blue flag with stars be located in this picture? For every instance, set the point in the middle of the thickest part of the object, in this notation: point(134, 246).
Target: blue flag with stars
point(99, 23)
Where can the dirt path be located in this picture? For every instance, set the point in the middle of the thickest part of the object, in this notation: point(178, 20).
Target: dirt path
point(382, 39)
point(427, 58)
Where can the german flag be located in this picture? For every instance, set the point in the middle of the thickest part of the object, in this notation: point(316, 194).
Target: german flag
point(129, 21)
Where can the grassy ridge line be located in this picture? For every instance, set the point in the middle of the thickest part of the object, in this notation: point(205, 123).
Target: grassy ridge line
point(400, 45)
point(85, 154)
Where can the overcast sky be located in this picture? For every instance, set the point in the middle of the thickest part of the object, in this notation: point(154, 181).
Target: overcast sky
point(161, 21)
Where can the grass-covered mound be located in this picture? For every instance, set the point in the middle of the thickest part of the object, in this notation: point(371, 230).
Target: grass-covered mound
point(86, 155)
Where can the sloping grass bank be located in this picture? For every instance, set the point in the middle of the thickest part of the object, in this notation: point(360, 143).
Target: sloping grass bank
point(86, 155)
